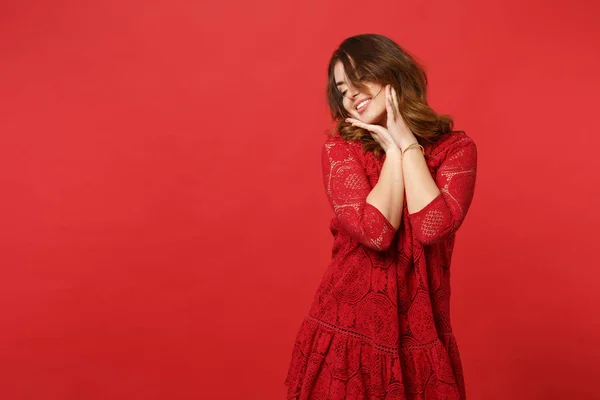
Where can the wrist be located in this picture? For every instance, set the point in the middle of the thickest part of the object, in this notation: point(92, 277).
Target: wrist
point(403, 146)
point(393, 150)
point(406, 140)
point(412, 146)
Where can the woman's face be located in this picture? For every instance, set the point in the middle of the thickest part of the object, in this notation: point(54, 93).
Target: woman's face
point(367, 105)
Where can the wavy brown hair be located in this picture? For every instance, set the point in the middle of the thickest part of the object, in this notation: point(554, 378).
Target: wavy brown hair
point(376, 58)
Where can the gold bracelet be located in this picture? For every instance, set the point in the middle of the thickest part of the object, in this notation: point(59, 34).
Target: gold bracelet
point(411, 146)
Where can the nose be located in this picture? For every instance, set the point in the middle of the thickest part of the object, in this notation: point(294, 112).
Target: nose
point(352, 91)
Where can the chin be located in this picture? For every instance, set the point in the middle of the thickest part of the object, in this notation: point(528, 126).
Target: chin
point(373, 119)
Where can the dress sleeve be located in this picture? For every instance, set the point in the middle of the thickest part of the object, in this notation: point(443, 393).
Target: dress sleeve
point(347, 188)
point(456, 180)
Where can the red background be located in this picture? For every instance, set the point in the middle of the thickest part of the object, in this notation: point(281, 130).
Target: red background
point(163, 224)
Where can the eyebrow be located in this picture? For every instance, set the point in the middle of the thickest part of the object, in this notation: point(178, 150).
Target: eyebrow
point(340, 83)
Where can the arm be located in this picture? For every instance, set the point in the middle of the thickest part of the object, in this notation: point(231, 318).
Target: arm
point(437, 207)
point(369, 215)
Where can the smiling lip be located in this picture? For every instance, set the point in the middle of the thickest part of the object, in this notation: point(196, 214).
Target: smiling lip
point(363, 108)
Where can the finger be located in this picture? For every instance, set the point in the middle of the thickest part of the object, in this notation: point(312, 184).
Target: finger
point(356, 122)
point(377, 129)
point(371, 128)
point(396, 105)
point(388, 104)
point(395, 97)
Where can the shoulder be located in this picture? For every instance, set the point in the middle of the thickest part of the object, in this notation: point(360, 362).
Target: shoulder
point(453, 143)
point(337, 140)
point(338, 148)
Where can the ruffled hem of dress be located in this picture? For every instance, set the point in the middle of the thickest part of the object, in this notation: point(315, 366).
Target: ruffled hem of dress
point(329, 364)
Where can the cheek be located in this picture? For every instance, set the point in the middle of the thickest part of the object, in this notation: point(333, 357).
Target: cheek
point(378, 109)
point(348, 106)
point(381, 101)
point(377, 91)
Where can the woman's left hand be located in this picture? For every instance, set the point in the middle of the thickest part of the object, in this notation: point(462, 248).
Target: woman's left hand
point(396, 126)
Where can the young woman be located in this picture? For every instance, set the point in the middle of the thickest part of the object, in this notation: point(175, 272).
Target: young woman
point(400, 181)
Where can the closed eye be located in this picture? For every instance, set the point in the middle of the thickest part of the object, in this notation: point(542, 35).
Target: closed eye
point(361, 79)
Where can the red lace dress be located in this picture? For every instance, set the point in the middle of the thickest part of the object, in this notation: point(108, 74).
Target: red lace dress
point(379, 326)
